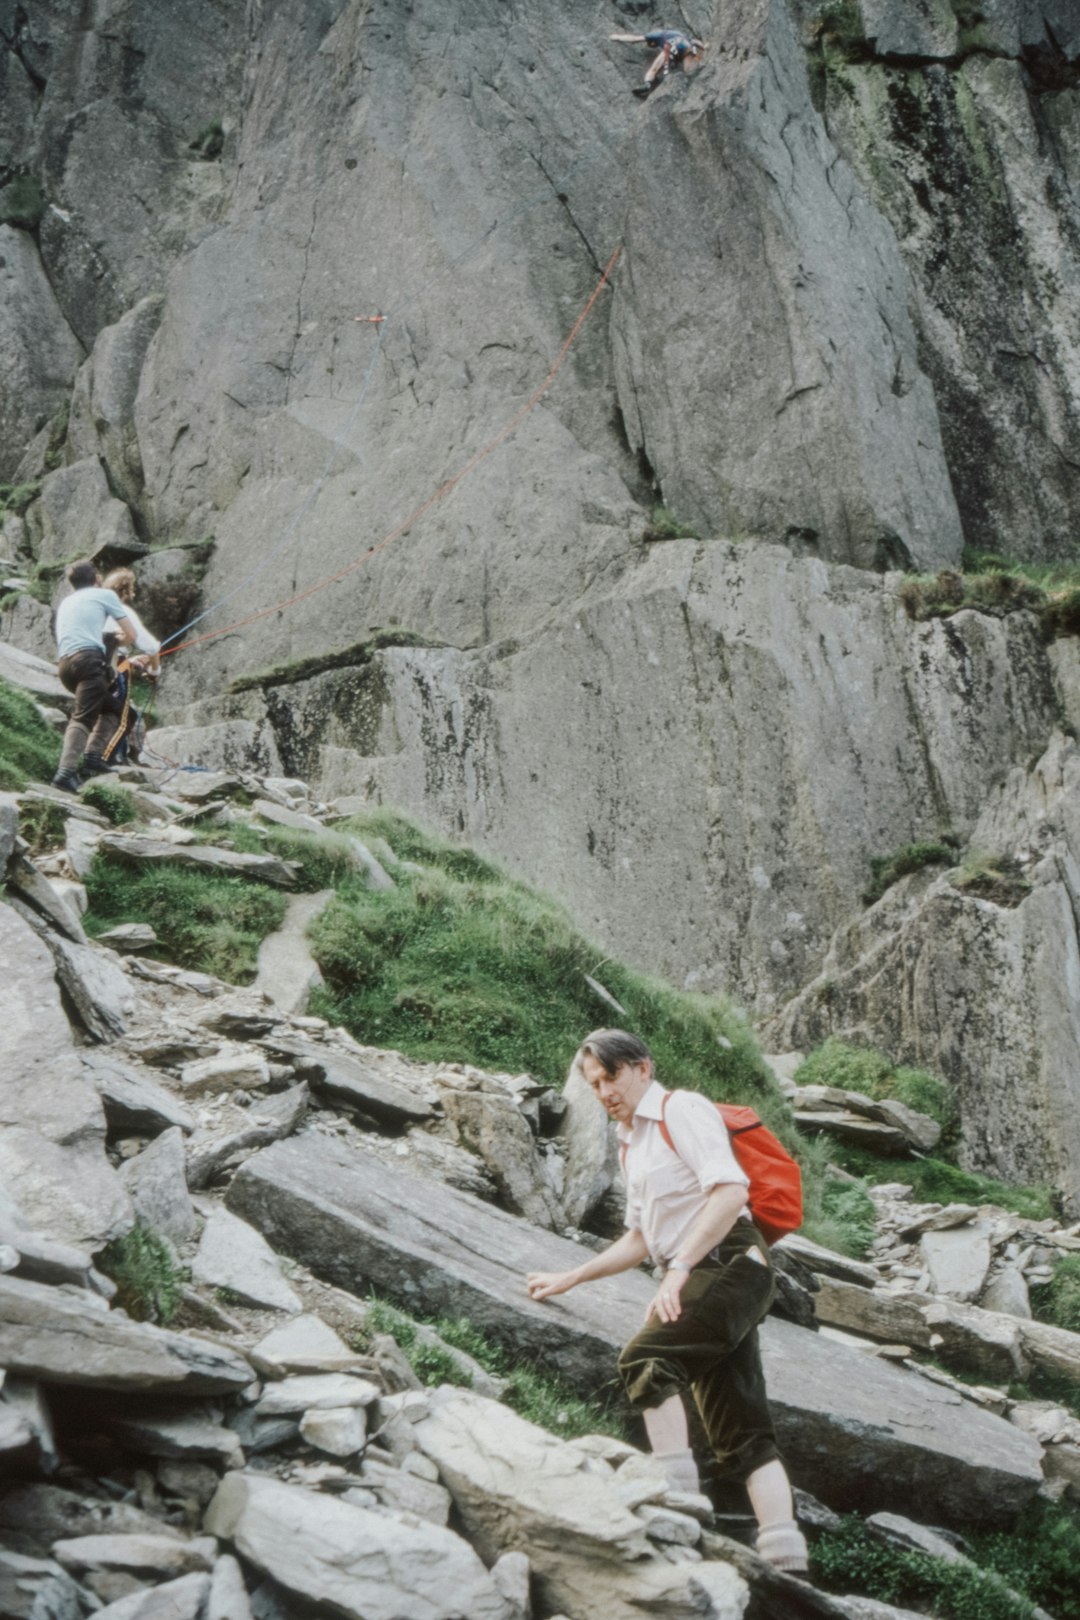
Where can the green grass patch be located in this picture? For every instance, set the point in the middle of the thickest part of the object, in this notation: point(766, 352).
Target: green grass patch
point(459, 962)
point(325, 858)
point(1040, 1557)
point(842, 1218)
point(935, 1182)
point(211, 922)
point(1041, 1385)
point(17, 497)
point(29, 748)
point(42, 825)
point(885, 870)
point(993, 584)
point(355, 656)
point(115, 802)
point(149, 1282)
point(22, 203)
point(663, 526)
point(855, 1068)
point(999, 878)
point(852, 1560)
point(536, 1394)
point(1058, 1301)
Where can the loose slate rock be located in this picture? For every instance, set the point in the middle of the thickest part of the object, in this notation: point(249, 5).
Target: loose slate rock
point(141, 850)
point(305, 1345)
point(64, 1339)
point(157, 1184)
point(52, 1129)
point(392, 1093)
point(232, 1255)
point(135, 1105)
point(140, 1554)
point(362, 1565)
point(184, 1599)
point(320, 1392)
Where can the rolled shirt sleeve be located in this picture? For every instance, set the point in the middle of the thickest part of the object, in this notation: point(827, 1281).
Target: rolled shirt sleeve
point(702, 1142)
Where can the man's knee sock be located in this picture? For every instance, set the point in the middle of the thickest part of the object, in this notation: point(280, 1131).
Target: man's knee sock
point(75, 740)
point(681, 1469)
point(783, 1546)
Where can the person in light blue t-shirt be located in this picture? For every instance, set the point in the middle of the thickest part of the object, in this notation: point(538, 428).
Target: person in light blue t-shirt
point(84, 670)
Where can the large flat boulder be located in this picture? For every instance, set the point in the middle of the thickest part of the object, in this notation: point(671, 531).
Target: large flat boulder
point(61, 1338)
point(362, 1565)
point(856, 1431)
point(52, 1128)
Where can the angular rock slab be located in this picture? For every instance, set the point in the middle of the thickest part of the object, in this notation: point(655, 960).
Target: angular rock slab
point(184, 1599)
point(157, 1184)
point(61, 1339)
point(52, 1129)
point(381, 1085)
point(361, 1565)
point(140, 848)
point(232, 1255)
point(287, 972)
point(857, 1432)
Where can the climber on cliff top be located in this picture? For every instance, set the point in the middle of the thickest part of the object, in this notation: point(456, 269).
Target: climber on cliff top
point(672, 46)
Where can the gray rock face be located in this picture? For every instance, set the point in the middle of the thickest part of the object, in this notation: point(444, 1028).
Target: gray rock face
point(52, 1129)
point(76, 500)
point(968, 173)
point(976, 989)
point(363, 1565)
point(854, 1430)
point(67, 1340)
point(103, 400)
point(731, 866)
point(40, 350)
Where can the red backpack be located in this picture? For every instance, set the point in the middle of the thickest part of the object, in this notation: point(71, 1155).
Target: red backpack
point(775, 1192)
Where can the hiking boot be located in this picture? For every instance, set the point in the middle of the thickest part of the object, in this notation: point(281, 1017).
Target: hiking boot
point(67, 781)
point(95, 765)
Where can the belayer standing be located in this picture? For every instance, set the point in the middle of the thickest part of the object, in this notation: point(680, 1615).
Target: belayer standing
point(686, 1208)
point(672, 46)
point(84, 670)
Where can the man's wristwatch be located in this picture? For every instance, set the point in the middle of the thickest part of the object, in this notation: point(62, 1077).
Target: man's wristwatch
point(680, 1265)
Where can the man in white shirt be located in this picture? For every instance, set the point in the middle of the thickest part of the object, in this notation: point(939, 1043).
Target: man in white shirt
point(84, 669)
point(686, 1210)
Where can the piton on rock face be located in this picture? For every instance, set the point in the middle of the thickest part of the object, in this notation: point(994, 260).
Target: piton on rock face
point(304, 1197)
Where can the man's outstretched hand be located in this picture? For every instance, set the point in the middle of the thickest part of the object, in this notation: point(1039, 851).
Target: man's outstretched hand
point(542, 1284)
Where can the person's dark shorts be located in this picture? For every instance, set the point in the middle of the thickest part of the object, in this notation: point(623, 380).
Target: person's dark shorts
point(713, 1350)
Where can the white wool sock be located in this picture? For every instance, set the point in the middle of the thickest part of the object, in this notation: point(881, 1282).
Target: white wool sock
point(681, 1469)
point(784, 1546)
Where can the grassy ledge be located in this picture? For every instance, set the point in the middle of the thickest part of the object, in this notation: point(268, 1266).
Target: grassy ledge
point(29, 748)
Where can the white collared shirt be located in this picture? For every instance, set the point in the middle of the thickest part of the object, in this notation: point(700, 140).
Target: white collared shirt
point(664, 1190)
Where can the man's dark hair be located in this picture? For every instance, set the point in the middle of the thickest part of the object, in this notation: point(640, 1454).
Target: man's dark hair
point(613, 1047)
point(81, 574)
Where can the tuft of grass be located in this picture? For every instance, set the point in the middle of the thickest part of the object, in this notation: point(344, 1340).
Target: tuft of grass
point(42, 825)
point(1058, 1301)
point(116, 802)
point(22, 203)
point(992, 584)
point(29, 748)
point(885, 870)
point(662, 526)
point(17, 497)
point(852, 1560)
point(460, 962)
point(999, 878)
point(537, 1395)
point(148, 1280)
point(842, 1218)
point(206, 921)
point(209, 142)
point(1039, 1557)
point(935, 1182)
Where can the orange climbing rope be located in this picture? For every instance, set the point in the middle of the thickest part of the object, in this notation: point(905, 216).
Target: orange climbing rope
point(440, 494)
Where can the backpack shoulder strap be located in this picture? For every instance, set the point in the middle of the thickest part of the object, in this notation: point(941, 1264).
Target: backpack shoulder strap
point(664, 1132)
